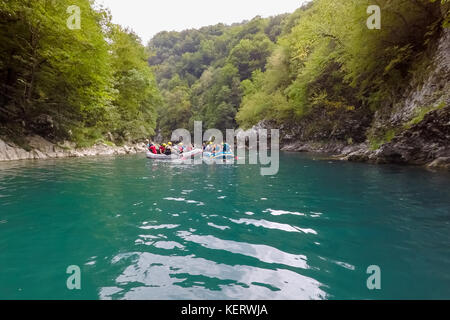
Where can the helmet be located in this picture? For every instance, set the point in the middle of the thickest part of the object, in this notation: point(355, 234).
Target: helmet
point(164, 144)
point(170, 143)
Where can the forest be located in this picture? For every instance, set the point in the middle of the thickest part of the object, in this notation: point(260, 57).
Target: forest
point(202, 73)
point(84, 85)
point(320, 66)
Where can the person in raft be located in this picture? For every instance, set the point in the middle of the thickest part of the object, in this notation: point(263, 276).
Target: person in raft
point(168, 150)
point(152, 148)
point(225, 148)
point(162, 148)
point(180, 147)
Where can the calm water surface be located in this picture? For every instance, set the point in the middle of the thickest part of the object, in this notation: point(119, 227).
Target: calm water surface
point(153, 230)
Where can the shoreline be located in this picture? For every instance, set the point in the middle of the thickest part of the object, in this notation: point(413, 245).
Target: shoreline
point(360, 153)
point(42, 149)
point(45, 150)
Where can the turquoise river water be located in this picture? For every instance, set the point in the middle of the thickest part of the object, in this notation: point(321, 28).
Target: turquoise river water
point(140, 229)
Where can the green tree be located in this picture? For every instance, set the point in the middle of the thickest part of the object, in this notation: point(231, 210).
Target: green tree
point(329, 63)
point(134, 105)
point(72, 84)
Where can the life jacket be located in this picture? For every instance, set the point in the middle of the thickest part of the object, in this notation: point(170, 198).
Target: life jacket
point(168, 151)
point(162, 149)
point(153, 149)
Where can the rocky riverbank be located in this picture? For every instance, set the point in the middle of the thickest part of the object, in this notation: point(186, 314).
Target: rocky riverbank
point(363, 153)
point(39, 148)
point(414, 129)
point(426, 143)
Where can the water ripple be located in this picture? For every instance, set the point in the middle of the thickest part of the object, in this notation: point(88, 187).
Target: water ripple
point(146, 230)
point(263, 253)
point(273, 225)
point(152, 276)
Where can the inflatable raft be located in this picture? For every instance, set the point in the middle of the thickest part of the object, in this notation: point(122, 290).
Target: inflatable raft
point(209, 157)
point(151, 155)
point(174, 156)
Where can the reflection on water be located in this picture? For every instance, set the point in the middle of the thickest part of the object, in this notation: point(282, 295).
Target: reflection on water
point(141, 229)
point(273, 225)
point(151, 276)
point(261, 252)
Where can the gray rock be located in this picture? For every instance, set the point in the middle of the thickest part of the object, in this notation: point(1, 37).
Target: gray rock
point(422, 143)
point(44, 149)
point(441, 162)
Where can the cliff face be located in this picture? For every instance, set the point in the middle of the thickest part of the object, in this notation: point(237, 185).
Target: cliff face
point(415, 129)
point(426, 90)
point(423, 143)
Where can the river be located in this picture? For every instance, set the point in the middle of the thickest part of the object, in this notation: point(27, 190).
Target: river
point(140, 229)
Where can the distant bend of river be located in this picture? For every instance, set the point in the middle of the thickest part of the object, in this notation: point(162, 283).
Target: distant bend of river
point(140, 229)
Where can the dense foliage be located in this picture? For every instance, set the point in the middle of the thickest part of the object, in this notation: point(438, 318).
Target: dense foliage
point(321, 66)
point(200, 71)
point(76, 84)
point(332, 65)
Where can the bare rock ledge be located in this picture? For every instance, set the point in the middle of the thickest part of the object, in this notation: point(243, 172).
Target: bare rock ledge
point(43, 149)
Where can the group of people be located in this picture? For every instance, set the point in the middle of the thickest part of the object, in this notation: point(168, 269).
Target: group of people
point(216, 148)
point(168, 148)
